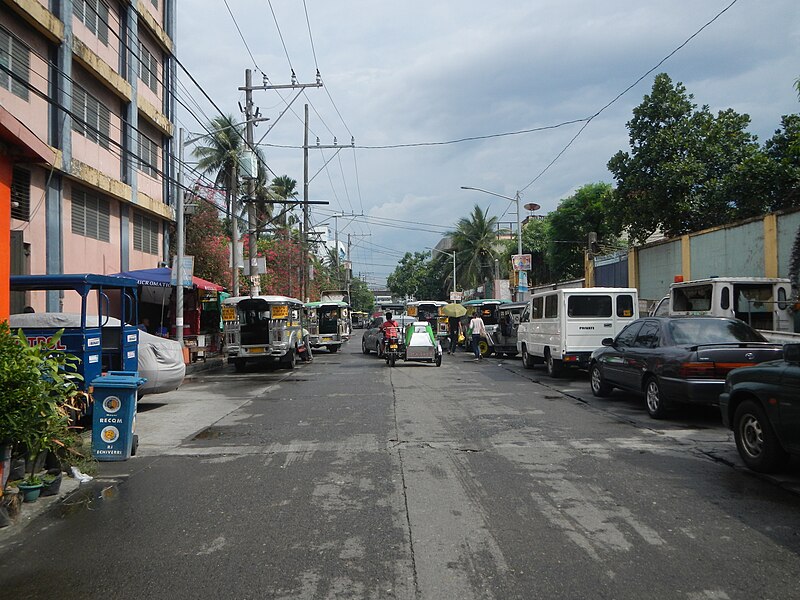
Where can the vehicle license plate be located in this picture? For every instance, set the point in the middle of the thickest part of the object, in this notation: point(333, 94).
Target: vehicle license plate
point(255, 350)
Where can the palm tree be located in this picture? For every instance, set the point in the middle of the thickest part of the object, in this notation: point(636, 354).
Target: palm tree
point(475, 243)
point(221, 156)
point(285, 188)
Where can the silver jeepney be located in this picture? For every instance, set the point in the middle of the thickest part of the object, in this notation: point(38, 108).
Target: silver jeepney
point(262, 329)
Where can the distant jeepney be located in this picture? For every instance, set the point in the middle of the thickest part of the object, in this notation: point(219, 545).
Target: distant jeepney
point(328, 324)
point(431, 312)
point(262, 329)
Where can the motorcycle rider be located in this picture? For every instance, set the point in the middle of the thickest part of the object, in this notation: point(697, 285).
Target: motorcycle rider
point(389, 328)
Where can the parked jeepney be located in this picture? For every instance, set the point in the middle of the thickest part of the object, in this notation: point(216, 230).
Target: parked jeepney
point(328, 324)
point(262, 329)
point(431, 312)
point(488, 309)
point(504, 339)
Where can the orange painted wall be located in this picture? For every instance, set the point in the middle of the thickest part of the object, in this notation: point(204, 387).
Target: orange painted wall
point(6, 169)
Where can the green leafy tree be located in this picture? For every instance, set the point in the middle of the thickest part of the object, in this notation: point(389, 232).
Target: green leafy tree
point(410, 275)
point(207, 240)
point(674, 177)
point(568, 228)
point(361, 298)
point(475, 243)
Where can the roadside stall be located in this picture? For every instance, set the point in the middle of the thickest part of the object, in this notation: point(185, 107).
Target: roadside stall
point(201, 334)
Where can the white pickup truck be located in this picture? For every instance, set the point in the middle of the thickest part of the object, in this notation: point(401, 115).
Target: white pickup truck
point(762, 302)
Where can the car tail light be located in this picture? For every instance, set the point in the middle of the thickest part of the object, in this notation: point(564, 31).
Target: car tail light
point(698, 370)
point(570, 358)
point(724, 368)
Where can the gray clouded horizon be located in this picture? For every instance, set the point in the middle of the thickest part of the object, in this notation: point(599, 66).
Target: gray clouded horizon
point(415, 72)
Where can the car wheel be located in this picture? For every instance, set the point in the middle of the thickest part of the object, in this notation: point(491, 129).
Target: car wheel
point(553, 366)
point(756, 440)
point(600, 388)
point(378, 349)
point(438, 360)
point(527, 359)
point(484, 348)
point(656, 405)
point(291, 361)
point(364, 348)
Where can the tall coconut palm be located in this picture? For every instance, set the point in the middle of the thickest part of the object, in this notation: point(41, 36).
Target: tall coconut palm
point(475, 243)
point(285, 188)
point(220, 156)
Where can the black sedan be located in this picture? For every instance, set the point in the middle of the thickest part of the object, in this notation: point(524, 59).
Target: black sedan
point(677, 359)
point(762, 406)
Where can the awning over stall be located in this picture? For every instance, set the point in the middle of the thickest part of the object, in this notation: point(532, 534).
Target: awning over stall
point(161, 276)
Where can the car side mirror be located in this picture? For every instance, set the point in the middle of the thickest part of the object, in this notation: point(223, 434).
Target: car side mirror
point(608, 341)
point(791, 353)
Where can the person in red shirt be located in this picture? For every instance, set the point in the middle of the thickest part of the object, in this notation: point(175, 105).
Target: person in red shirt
point(389, 328)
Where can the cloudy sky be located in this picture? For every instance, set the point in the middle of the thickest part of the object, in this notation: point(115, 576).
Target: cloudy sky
point(415, 75)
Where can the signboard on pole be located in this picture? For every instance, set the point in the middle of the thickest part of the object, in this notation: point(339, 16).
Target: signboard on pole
point(522, 284)
point(188, 271)
point(456, 296)
point(521, 262)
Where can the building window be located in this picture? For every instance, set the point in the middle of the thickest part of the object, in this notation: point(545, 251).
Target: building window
point(148, 155)
point(145, 234)
point(15, 57)
point(148, 68)
point(90, 118)
point(90, 216)
point(93, 14)
point(21, 194)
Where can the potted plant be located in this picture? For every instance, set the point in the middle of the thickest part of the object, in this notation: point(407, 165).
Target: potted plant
point(37, 390)
point(30, 487)
point(51, 482)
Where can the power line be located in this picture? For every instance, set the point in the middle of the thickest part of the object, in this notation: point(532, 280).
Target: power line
point(627, 89)
point(241, 35)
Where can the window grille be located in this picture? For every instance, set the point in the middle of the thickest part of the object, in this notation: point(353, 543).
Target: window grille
point(148, 155)
point(21, 194)
point(91, 119)
point(14, 56)
point(145, 234)
point(93, 14)
point(148, 68)
point(90, 216)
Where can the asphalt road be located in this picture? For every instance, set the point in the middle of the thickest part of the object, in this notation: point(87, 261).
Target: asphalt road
point(347, 479)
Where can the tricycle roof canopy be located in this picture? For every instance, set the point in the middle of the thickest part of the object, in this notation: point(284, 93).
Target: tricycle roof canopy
point(80, 282)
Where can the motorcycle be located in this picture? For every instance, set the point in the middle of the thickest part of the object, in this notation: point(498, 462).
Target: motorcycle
point(391, 346)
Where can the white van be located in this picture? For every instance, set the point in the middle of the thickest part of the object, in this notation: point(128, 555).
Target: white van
point(563, 327)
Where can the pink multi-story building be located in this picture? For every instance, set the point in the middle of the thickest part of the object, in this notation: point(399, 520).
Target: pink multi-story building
point(86, 134)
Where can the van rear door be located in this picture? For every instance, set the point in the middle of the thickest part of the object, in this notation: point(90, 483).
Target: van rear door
point(589, 319)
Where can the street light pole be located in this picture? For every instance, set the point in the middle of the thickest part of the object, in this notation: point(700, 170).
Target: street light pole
point(515, 199)
point(180, 249)
point(454, 264)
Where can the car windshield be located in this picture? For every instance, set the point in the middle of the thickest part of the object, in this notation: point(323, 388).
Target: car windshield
point(712, 331)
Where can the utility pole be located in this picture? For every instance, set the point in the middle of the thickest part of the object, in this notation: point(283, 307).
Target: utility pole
point(234, 231)
point(304, 239)
point(255, 287)
point(180, 242)
point(248, 89)
point(306, 181)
